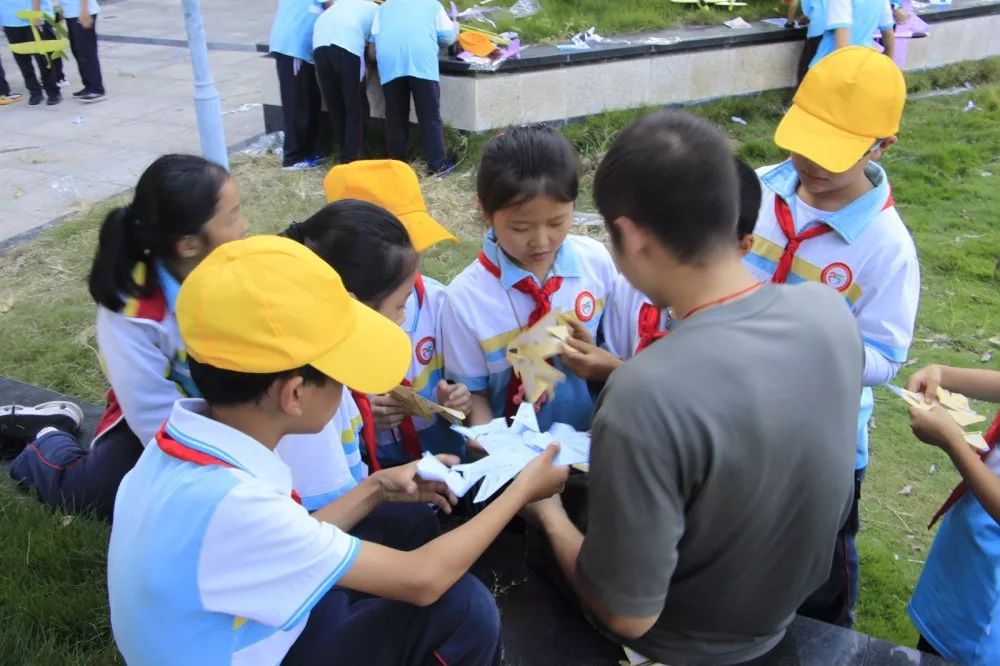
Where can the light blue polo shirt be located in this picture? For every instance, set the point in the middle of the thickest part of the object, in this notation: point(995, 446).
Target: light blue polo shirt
point(71, 8)
point(215, 563)
point(815, 10)
point(347, 24)
point(292, 31)
point(956, 604)
point(9, 9)
point(861, 17)
point(408, 36)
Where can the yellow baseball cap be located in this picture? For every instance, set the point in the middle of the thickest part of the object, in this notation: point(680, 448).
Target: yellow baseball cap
point(846, 101)
point(268, 304)
point(392, 185)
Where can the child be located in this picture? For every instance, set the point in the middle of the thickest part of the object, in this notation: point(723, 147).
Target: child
point(632, 322)
point(814, 12)
point(18, 31)
point(339, 40)
point(955, 604)
point(393, 185)
point(853, 22)
point(6, 96)
point(81, 23)
point(291, 48)
point(828, 216)
point(527, 183)
point(209, 543)
point(183, 207)
point(408, 35)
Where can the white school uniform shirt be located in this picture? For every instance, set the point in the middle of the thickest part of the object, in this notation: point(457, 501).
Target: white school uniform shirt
point(321, 471)
point(869, 257)
point(215, 563)
point(423, 325)
point(956, 603)
point(483, 313)
point(144, 358)
point(621, 319)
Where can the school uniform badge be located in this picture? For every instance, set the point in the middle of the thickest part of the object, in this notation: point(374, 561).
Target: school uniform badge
point(585, 307)
point(424, 349)
point(837, 275)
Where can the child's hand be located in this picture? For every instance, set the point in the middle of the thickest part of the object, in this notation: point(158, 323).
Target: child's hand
point(926, 381)
point(387, 412)
point(579, 331)
point(540, 478)
point(86, 22)
point(401, 484)
point(588, 361)
point(454, 396)
point(936, 427)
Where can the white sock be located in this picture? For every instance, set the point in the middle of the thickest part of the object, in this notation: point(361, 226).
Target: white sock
point(45, 431)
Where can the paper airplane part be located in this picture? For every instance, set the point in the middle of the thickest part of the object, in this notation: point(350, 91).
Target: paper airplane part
point(957, 406)
point(529, 352)
point(419, 406)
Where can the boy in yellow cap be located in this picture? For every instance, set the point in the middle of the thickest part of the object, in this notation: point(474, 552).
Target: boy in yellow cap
point(212, 559)
point(393, 185)
point(828, 216)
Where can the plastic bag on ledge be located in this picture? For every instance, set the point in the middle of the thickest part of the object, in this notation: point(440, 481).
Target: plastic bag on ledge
point(525, 8)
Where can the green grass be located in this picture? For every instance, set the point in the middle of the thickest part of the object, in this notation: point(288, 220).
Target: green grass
point(558, 20)
point(53, 605)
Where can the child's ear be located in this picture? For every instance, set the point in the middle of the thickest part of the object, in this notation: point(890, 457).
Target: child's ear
point(289, 392)
point(189, 247)
point(746, 242)
point(884, 145)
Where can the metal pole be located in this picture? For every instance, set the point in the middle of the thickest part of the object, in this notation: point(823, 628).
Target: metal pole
point(206, 97)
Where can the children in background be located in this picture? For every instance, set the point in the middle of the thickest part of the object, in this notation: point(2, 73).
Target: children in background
point(814, 13)
point(828, 216)
point(632, 322)
point(956, 602)
point(6, 95)
point(183, 207)
point(81, 23)
point(209, 543)
point(18, 31)
point(530, 265)
point(854, 22)
point(408, 35)
point(340, 38)
point(393, 185)
point(301, 108)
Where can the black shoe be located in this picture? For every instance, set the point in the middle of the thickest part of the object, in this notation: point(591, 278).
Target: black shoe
point(19, 426)
point(35, 99)
point(90, 97)
point(54, 99)
point(80, 93)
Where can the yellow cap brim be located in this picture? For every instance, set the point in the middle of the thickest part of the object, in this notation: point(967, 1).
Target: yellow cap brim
point(425, 231)
point(373, 358)
point(830, 147)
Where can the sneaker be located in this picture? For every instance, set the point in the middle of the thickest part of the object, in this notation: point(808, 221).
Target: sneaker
point(35, 99)
point(63, 82)
point(91, 97)
point(19, 425)
point(10, 98)
point(54, 99)
point(444, 170)
point(304, 165)
point(81, 93)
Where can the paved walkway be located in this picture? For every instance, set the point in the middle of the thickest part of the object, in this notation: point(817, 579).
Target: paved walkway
point(59, 160)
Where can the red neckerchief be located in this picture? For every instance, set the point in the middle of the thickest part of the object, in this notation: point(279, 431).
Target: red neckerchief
point(542, 296)
point(649, 326)
point(992, 436)
point(407, 430)
point(787, 225)
point(175, 449)
point(368, 437)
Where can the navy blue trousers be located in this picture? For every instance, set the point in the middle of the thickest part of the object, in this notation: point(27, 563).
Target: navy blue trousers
point(427, 101)
point(72, 478)
point(348, 627)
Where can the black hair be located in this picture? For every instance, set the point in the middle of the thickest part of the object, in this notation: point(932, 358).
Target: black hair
point(526, 162)
point(366, 244)
point(175, 196)
point(673, 174)
point(749, 199)
point(228, 387)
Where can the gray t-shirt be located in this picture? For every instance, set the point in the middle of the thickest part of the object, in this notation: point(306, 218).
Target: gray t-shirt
point(721, 470)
